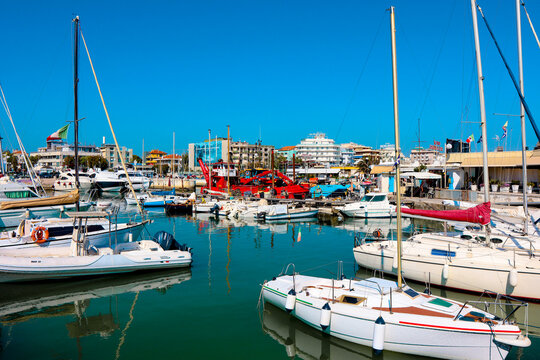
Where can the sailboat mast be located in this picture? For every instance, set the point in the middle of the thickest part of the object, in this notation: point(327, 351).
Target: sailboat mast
point(398, 149)
point(522, 117)
point(76, 101)
point(482, 101)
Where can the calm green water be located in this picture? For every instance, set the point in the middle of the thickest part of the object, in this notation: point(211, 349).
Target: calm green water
point(208, 312)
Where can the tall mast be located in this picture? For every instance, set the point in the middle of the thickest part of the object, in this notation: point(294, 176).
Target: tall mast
point(522, 117)
point(173, 161)
point(209, 164)
point(76, 102)
point(482, 101)
point(398, 152)
point(228, 160)
point(1, 157)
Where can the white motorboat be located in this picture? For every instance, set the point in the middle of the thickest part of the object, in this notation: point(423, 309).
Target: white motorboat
point(372, 205)
point(109, 182)
point(138, 180)
point(58, 232)
point(284, 212)
point(66, 181)
point(81, 259)
point(380, 314)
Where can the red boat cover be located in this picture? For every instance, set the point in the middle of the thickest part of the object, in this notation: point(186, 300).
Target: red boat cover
point(479, 214)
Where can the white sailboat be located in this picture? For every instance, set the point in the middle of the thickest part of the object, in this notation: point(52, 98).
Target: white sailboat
point(498, 258)
point(390, 315)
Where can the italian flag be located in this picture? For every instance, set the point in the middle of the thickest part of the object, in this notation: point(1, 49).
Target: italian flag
point(59, 134)
point(470, 138)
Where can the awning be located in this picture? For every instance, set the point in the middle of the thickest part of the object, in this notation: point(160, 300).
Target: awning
point(495, 159)
point(382, 169)
point(420, 175)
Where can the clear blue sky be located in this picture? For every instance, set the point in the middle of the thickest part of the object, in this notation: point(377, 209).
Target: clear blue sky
point(282, 69)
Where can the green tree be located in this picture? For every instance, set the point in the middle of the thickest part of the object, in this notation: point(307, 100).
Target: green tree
point(34, 159)
point(165, 169)
point(13, 161)
point(364, 165)
point(420, 168)
point(136, 159)
point(69, 162)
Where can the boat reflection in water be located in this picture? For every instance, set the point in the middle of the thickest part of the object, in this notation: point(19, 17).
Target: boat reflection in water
point(24, 302)
point(302, 341)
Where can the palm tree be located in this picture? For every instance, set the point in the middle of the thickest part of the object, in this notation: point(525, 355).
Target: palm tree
point(364, 165)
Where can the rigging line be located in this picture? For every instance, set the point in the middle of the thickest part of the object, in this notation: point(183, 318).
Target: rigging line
point(110, 125)
point(349, 104)
point(33, 177)
point(530, 23)
point(437, 60)
point(6, 134)
point(527, 110)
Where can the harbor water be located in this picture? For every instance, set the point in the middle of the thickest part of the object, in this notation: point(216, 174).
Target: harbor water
point(210, 311)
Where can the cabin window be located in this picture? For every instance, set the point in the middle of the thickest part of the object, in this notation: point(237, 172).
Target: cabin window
point(496, 240)
point(19, 194)
point(466, 237)
point(440, 302)
point(352, 300)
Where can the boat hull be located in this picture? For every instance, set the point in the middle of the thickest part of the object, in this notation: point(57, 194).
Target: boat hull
point(300, 215)
point(461, 274)
point(16, 269)
point(401, 336)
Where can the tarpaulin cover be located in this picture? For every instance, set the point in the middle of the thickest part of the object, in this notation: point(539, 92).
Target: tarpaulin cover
point(479, 214)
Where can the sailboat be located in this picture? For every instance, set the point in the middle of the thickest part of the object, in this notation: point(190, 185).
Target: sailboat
point(390, 315)
point(497, 259)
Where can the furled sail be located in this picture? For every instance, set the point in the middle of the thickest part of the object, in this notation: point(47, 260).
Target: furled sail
point(479, 214)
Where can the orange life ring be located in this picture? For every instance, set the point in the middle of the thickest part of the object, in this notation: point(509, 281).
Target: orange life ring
point(40, 234)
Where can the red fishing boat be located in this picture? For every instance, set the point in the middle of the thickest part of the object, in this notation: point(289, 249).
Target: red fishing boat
point(254, 182)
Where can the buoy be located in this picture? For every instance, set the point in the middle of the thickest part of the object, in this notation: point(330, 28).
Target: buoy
point(445, 271)
point(378, 335)
point(513, 277)
point(326, 313)
point(395, 261)
point(291, 301)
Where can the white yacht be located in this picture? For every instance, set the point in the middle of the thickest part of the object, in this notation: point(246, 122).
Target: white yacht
point(108, 181)
point(66, 181)
point(138, 180)
point(372, 205)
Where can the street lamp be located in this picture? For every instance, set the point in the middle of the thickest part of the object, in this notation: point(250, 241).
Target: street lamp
point(446, 147)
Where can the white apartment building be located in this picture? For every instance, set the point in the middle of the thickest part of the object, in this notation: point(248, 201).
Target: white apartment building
point(54, 153)
point(319, 149)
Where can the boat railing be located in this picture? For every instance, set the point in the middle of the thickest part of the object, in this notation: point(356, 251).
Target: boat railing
point(506, 304)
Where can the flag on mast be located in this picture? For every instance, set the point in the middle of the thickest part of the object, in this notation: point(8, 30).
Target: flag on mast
point(59, 134)
point(504, 129)
point(479, 140)
point(470, 139)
